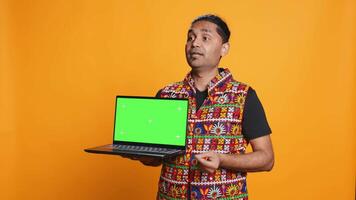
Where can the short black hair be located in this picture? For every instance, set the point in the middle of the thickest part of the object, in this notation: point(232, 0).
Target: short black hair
point(222, 28)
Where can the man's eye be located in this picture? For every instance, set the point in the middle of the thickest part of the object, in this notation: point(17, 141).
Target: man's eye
point(206, 38)
point(190, 38)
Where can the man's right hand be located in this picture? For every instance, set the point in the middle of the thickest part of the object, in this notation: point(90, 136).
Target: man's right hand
point(146, 160)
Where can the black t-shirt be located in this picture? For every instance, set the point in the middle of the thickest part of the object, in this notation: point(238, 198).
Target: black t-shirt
point(254, 121)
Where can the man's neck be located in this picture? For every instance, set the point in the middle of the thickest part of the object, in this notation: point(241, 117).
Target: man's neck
point(203, 77)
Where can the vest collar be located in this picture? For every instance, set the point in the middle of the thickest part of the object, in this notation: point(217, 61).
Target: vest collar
point(223, 76)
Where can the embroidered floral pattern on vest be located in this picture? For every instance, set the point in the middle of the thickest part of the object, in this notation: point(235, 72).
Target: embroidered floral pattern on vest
point(215, 126)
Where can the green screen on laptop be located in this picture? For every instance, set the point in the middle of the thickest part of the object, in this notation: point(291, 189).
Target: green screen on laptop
point(154, 121)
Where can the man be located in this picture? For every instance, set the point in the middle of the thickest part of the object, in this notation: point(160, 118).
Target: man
point(224, 116)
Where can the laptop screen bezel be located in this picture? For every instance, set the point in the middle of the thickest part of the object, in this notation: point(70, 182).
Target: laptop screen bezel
point(182, 147)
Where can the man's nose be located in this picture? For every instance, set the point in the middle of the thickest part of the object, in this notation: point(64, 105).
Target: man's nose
point(196, 42)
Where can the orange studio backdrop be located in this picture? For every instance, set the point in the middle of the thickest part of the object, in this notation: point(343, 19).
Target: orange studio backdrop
point(63, 62)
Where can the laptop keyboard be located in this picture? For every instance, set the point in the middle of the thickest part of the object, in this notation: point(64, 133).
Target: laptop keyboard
point(142, 149)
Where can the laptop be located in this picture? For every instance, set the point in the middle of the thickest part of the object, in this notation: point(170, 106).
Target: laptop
point(147, 126)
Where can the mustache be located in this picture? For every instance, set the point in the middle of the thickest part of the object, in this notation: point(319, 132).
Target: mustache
point(196, 51)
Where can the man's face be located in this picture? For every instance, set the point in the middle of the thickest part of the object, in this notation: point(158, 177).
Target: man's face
point(204, 45)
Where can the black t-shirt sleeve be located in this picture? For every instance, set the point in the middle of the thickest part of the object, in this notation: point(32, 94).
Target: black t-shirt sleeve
point(254, 121)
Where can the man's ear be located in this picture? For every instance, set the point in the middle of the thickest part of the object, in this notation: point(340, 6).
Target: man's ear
point(225, 49)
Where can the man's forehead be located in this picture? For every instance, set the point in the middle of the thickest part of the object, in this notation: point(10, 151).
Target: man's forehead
point(203, 26)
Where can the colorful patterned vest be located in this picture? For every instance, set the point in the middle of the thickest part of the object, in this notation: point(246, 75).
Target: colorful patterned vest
point(215, 126)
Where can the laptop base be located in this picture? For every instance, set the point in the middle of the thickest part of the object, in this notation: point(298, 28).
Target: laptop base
point(109, 149)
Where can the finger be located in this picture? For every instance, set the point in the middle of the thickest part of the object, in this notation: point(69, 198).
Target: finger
point(204, 163)
point(200, 159)
point(134, 157)
point(208, 165)
point(151, 163)
point(201, 156)
point(148, 159)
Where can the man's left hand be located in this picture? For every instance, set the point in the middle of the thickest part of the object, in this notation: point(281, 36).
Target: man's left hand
point(209, 161)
